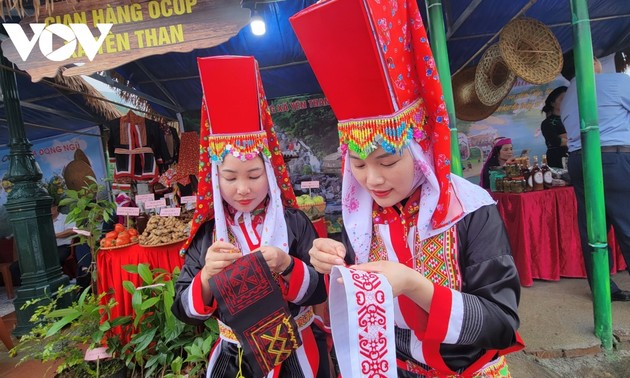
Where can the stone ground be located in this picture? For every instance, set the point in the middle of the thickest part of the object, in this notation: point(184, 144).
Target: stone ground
point(557, 327)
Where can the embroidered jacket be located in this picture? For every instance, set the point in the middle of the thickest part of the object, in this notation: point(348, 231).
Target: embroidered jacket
point(305, 288)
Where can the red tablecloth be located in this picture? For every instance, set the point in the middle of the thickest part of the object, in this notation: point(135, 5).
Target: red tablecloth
point(111, 274)
point(544, 236)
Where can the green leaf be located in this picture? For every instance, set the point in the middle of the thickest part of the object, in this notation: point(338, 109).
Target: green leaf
point(72, 194)
point(176, 365)
point(143, 340)
point(82, 203)
point(106, 326)
point(131, 268)
point(207, 344)
point(63, 312)
point(58, 325)
point(129, 286)
point(136, 300)
point(66, 201)
point(121, 320)
point(145, 273)
point(149, 303)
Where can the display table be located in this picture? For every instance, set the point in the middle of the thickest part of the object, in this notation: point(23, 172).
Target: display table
point(543, 231)
point(111, 275)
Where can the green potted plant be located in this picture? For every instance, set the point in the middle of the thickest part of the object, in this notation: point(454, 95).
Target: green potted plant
point(89, 211)
point(160, 344)
point(63, 335)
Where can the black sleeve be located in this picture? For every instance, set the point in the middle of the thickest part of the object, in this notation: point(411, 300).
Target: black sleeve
point(194, 262)
point(303, 234)
point(490, 283)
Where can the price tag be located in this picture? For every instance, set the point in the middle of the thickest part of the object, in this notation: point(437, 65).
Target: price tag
point(309, 184)
point(170, 212)
point(155, 204)
point(145, 197)
point(129, 211)
point(99, 353)
point(81, 232)
point(188, 199)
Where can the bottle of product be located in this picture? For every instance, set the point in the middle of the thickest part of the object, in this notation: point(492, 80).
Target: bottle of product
point(523, 172)
point(537, 176)
point(547, 177)
point(529, 179)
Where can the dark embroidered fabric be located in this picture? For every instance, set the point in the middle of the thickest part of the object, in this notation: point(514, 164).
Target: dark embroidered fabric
point(251, 304)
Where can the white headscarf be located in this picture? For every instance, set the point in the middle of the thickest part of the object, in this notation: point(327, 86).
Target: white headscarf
point(274, 231)
point(357, 202)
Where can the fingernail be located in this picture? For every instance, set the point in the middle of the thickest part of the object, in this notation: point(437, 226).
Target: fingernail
point(339, 261)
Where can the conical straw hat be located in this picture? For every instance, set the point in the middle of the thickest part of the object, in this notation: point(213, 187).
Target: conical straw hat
point(493, 79)
point(531, 50)
point(468, 107)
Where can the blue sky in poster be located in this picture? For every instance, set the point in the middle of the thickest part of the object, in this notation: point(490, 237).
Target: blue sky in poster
point(53, 155)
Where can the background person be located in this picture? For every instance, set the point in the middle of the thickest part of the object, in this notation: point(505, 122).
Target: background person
point(613, 111)
point(553, 130)
point(500, 155)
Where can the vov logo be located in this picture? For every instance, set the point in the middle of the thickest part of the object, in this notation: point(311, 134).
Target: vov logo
point(72, 34)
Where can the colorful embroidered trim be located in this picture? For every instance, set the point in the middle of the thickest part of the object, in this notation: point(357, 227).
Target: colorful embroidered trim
point(244, 146)
point(303, 320)
point(392, 132)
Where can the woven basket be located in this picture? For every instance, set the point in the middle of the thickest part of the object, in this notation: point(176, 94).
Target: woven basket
point(467, 104)
point(531, 50)
point(305, 208)
point(493, 78)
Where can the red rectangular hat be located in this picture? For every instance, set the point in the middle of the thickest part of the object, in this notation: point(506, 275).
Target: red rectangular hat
point(373, 61)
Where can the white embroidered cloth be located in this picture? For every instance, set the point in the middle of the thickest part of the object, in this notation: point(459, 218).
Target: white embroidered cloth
point(362, 322)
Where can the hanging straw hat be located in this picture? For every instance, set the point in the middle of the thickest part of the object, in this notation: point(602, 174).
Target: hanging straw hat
point(531, 50)
point(468, 107)
point(493, 78)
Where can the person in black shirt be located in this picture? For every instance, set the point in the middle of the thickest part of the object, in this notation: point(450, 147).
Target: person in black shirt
point(553, 129)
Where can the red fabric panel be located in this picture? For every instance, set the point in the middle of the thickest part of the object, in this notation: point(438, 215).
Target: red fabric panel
point(230, 91)
point(111, 274)
point(320, 228)
point(332, 52)
point(544, 236)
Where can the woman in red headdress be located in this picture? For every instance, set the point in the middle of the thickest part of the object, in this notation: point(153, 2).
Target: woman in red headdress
point(427, 276)
point(247, 257)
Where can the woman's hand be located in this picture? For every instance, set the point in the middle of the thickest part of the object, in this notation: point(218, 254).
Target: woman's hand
point(403, 280)
point(326, 253)
point(277, 260)
point(219, 256)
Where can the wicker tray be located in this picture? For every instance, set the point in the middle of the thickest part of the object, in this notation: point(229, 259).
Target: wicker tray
point(117, 246)
point(163, 244)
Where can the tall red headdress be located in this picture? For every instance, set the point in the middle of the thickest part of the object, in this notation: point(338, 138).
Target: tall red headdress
point(373, 61)
point(235, 119)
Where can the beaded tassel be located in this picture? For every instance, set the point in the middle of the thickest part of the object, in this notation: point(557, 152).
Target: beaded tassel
point(393, 133)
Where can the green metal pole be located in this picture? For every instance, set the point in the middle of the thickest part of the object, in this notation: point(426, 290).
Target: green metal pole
point(592, 167)
point(28, 206)
point(440, 53)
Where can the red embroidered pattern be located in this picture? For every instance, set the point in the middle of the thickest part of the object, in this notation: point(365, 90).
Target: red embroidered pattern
point(373, 343)
point(273, 339)
point(244, 285)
